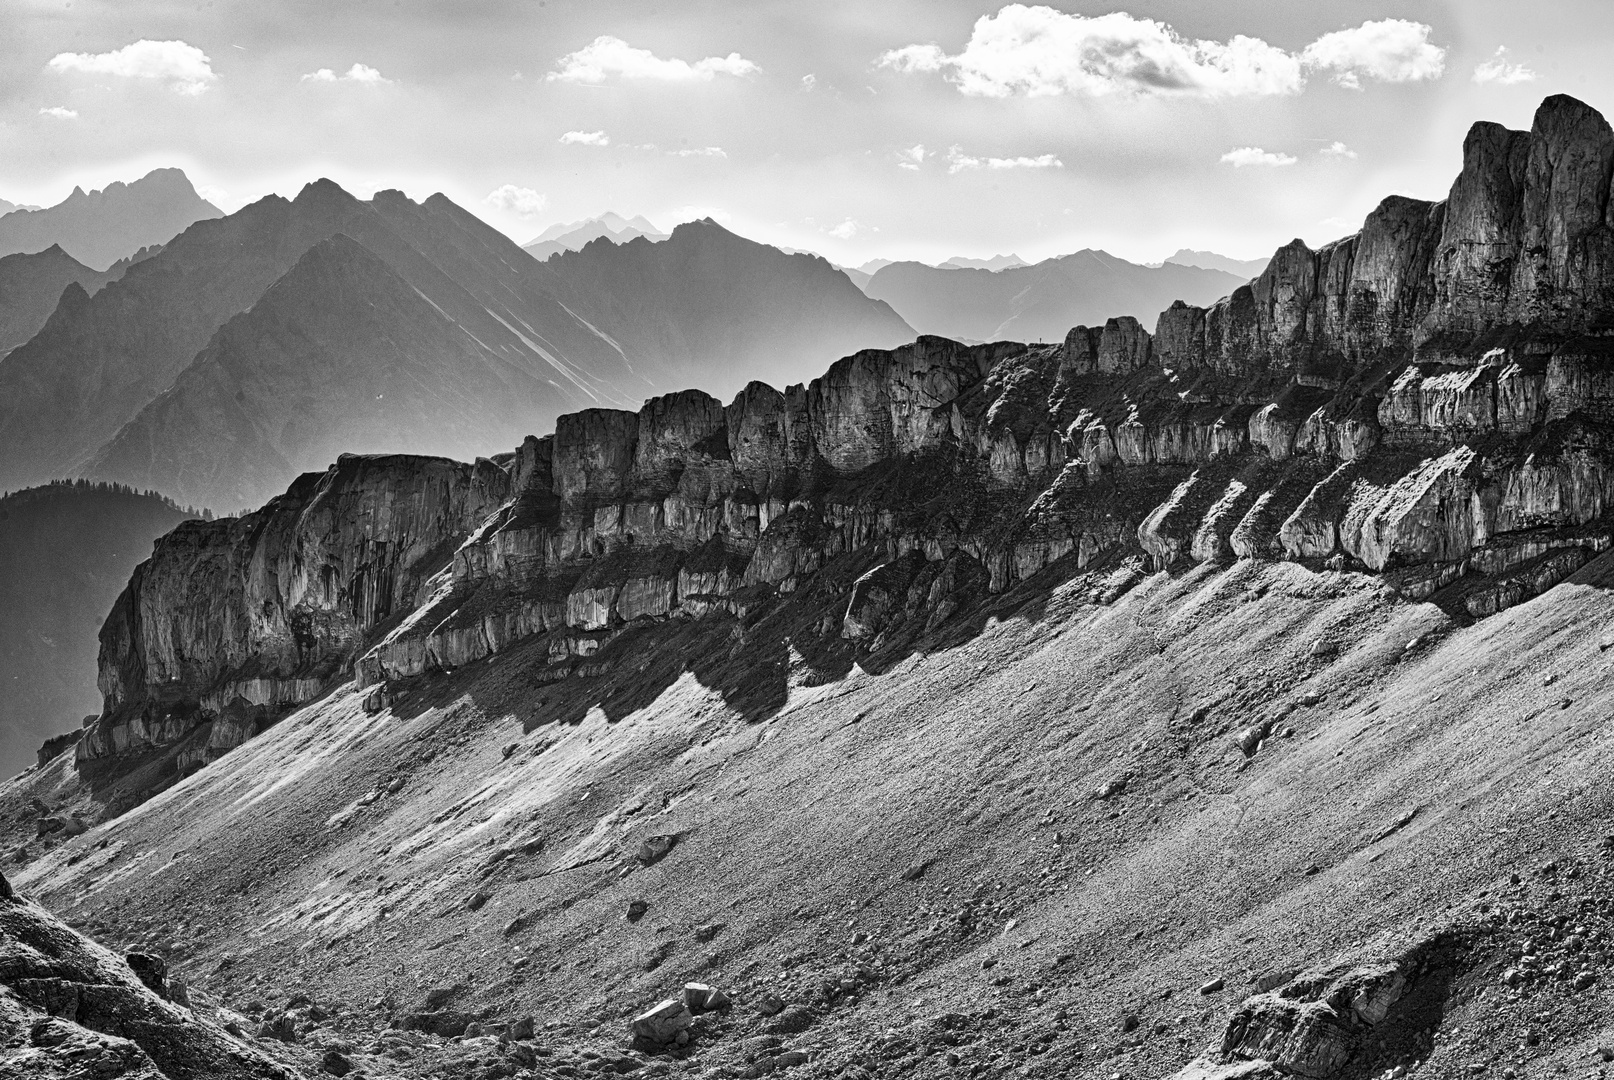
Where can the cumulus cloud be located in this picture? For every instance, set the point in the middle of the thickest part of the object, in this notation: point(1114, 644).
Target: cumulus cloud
point(520, 200)
point(586, 138)
point(845, 230)
point(59, 112)
point(1336, 149)
point(809, 83)
point(1498, 70)
point(183, 67)
point(958, 161)
point(608, 56)
point(911, 157)
point(1039, 51)
point(358, 73)
point(699, 151)
point(1254, 155)
point(1390, 50)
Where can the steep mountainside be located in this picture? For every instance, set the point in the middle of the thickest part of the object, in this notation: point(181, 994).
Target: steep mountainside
point(1229, 699)
point(100, 227)
point(1041, 302)
point(67, 551)
point(31, 285)
point(709, 309)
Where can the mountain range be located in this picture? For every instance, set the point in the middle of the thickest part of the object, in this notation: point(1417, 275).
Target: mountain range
point(249, 348)
point(573, 236)
point(100, 227)
point(1040, 302)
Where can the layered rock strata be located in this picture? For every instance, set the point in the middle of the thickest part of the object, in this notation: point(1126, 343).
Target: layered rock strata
point(1429, 400)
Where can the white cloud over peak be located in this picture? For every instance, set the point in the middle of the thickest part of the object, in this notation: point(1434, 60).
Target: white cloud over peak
point(1038, 51)
point(520, 200)
point(59, 112)
point(1498, 70)
point(358, 73)
point(846, 230)
point(1254, 155)
point(958, 161)
point(608, 56)
point(1390, 50)
point(911, 157)
point(1337, 149)
point(183, 67)
point(586, 138)
point(700, 151)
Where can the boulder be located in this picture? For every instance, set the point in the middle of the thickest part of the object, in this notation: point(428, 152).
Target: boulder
point(661, 1024)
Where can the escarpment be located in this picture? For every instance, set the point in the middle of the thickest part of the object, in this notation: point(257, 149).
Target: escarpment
point(1429, 400)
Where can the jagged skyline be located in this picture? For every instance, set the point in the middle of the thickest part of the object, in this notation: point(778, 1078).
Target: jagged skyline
point(910, 131)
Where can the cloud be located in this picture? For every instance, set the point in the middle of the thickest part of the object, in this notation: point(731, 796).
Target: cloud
point(1038, 51)
point(1390, 50)
point(358, 73)
point(1254, 155)
point(586, 138)
point(1334, 150)
point(809, 83)
point(845, 230)
point(699, 151)
point(520, 200)
point(606, 56)
point(59, 113)
point(1498, 70)
point(183, 67)
point(910, 158)
point(958, 161)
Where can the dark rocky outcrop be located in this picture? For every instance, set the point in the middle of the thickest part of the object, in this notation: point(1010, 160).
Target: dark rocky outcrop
point(71, 1008)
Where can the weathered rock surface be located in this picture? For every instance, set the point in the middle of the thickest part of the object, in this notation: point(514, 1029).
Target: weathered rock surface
point(71, 1008)
point(232, 621)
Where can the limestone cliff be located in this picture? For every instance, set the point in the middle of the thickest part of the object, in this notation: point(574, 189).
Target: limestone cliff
point(1428, 400)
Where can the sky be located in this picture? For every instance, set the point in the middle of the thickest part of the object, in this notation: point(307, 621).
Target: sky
point(918, 129)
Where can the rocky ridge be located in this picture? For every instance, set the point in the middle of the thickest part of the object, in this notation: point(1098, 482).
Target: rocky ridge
point(1424, 400)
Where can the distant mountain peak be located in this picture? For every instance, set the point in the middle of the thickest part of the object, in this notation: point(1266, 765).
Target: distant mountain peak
point(1209, 260)
point(100, 227)
point(995, 263)
point(575, 235)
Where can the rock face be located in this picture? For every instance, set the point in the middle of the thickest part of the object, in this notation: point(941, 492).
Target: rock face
point(69, 1002)
point(230, 621)
point(1418, 400)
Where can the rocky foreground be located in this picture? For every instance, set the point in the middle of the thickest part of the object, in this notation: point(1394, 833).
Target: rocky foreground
point(1225, 700)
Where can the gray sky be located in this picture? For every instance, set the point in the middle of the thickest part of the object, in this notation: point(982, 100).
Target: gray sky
point(907, 129)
